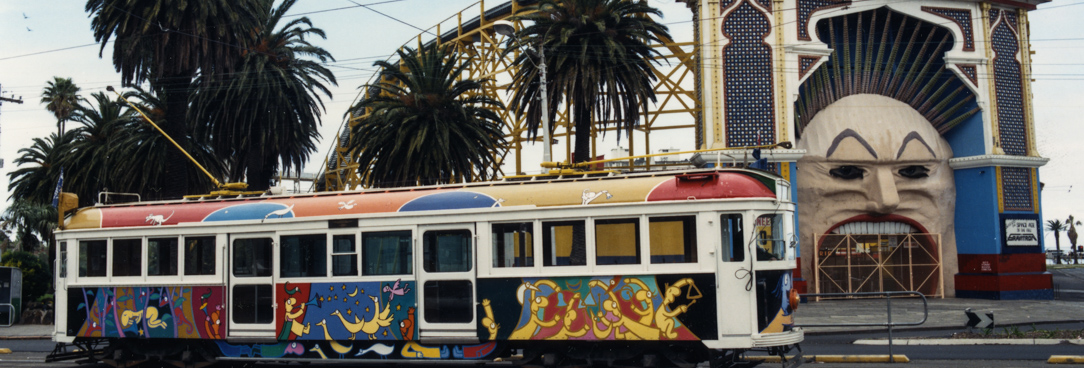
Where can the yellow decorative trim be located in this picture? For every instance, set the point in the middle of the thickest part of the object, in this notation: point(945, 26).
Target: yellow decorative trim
point(1025, 76)
point(1034, 172)
point(1000, 191)
point(784, 170)
point(780, 63)
point(990, 82)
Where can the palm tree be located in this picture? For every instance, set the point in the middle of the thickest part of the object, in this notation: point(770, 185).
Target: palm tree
point(167, 42)
point(94, 155)
point(39, 168)
point(1057, 227)
point(61, 97)
point(32, 222)
point(269, 112)
point(598, 58)
point(421, 125)
point(1072, 237)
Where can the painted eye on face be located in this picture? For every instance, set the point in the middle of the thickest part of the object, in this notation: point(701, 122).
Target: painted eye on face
point(915, 172)
point(847, 172)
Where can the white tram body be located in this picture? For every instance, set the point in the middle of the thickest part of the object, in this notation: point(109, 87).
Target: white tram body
point(686, 266)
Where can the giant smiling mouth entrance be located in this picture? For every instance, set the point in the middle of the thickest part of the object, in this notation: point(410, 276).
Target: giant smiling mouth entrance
point(865, 227)
point(907, 256)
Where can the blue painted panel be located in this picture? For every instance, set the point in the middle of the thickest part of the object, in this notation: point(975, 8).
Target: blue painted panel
point(251, 211)
point(968, 138)
point(449, 201)
point(977, 230)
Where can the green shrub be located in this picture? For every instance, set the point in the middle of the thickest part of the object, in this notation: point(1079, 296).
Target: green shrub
point(36, 276)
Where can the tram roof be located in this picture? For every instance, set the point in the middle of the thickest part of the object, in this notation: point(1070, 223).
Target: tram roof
point(582, 190)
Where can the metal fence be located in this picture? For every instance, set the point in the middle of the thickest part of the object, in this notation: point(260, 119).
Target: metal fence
point(858, 263)
point(888, 296)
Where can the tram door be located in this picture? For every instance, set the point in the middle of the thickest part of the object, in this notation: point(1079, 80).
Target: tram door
point(446, 279)
point(735, 259)
point(251, 286)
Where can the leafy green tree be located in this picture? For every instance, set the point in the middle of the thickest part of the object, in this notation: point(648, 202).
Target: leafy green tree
point(598, 61)
point(95, 156)
point(61, 97)
point(36, 276)
point(269, 111)
point(422, 125)
point(168, 43)
point(39, 168)
point(32, 222)
point(1057, 227)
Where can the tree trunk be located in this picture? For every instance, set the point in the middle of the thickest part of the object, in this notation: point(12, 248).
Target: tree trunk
point(175, 93)
point(1057, 245)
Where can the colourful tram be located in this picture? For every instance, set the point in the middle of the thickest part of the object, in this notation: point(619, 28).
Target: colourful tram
point(654, 268)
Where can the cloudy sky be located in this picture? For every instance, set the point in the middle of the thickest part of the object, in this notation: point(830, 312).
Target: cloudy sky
point(53, 38)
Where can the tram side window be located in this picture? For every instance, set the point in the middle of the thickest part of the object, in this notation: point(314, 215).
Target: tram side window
point(733, 245)
point(513, 245)
point(770, 243)
point(386, 253)
point(447, 250)
point(253, 304)
point(63, 259)
point(127, 257)
point(252, 257)
point(344, 256)
point(303, 256)
point(564, 243)
point(92, 258)
point(673, 239)
point(199, 255)
point(162, 257)
point(617, 241)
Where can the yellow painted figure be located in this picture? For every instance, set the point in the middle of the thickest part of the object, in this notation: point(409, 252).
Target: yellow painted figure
point(537, 303)
point(489, 321)
point(665, 318)
point(571, 314)
point(294, 312)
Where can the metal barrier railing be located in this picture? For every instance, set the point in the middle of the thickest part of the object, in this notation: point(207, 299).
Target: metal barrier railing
point(888, 296)
point(11, 314)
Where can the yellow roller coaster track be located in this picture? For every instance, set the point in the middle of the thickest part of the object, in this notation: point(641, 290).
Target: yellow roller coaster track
point(678, 105)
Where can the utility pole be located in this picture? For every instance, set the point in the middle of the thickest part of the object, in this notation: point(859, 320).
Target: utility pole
point(8, 99)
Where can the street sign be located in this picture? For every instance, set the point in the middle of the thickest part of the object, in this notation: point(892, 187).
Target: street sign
point(979, 320)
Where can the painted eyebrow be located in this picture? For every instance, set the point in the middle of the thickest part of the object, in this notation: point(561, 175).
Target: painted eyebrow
point(849, 133)
point(914, 136)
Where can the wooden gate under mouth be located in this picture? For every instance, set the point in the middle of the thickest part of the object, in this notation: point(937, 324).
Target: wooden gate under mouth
point(851, 263)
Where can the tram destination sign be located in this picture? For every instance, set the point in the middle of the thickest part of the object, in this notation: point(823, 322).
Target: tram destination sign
point(1021, 232)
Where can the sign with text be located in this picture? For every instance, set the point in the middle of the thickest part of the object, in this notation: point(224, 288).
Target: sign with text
point(1021, 232)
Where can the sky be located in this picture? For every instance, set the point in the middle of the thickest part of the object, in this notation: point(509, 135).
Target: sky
point(43, 39)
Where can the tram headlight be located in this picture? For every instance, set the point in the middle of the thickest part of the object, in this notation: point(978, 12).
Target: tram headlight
point(793, 299)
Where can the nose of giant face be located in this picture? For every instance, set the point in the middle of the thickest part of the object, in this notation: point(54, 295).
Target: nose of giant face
point(883, 197)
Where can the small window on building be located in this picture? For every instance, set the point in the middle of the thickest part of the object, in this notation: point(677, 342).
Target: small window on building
point(617, 241)
point(447, 251)
point(673, 239)
point(92, 258)
point(303, 256)
point(199, 255)
point(386, 253)
point(162, 257)
point(564, 243)
point(513, 245)
point(344, 256)
point(252, 257)
point(128, 257)
point(253, 303)
point(732, 243)
point(63, 259)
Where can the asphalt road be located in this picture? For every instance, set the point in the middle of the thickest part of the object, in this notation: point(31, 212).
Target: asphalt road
point(1069, 283)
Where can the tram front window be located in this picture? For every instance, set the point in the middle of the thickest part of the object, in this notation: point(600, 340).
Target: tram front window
point(770, 242)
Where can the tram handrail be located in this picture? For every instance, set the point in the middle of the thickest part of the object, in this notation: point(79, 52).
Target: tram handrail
point(888, 296)
point(11, 315)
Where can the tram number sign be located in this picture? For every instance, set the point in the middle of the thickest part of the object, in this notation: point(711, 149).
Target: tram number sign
point(1021, 232)
point(979, 320)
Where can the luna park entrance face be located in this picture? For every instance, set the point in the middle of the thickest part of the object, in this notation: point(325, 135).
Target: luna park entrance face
point(850, 263)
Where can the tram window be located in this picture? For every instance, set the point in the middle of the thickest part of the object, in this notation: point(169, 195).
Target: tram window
point(344, 257)
point(252, 257)
point(770, 243)
point(63, 259)
point(92, 258)
point(303, 256)
point(673, 239)
point(386, 253)
point(162, 257)
point(447, 251)
point(617, 241)
point(127, 257)
point(564, 243)
point(252, 304)
point(732, 244)
point(199, 255)
point(513, 245)
point(449, 301)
